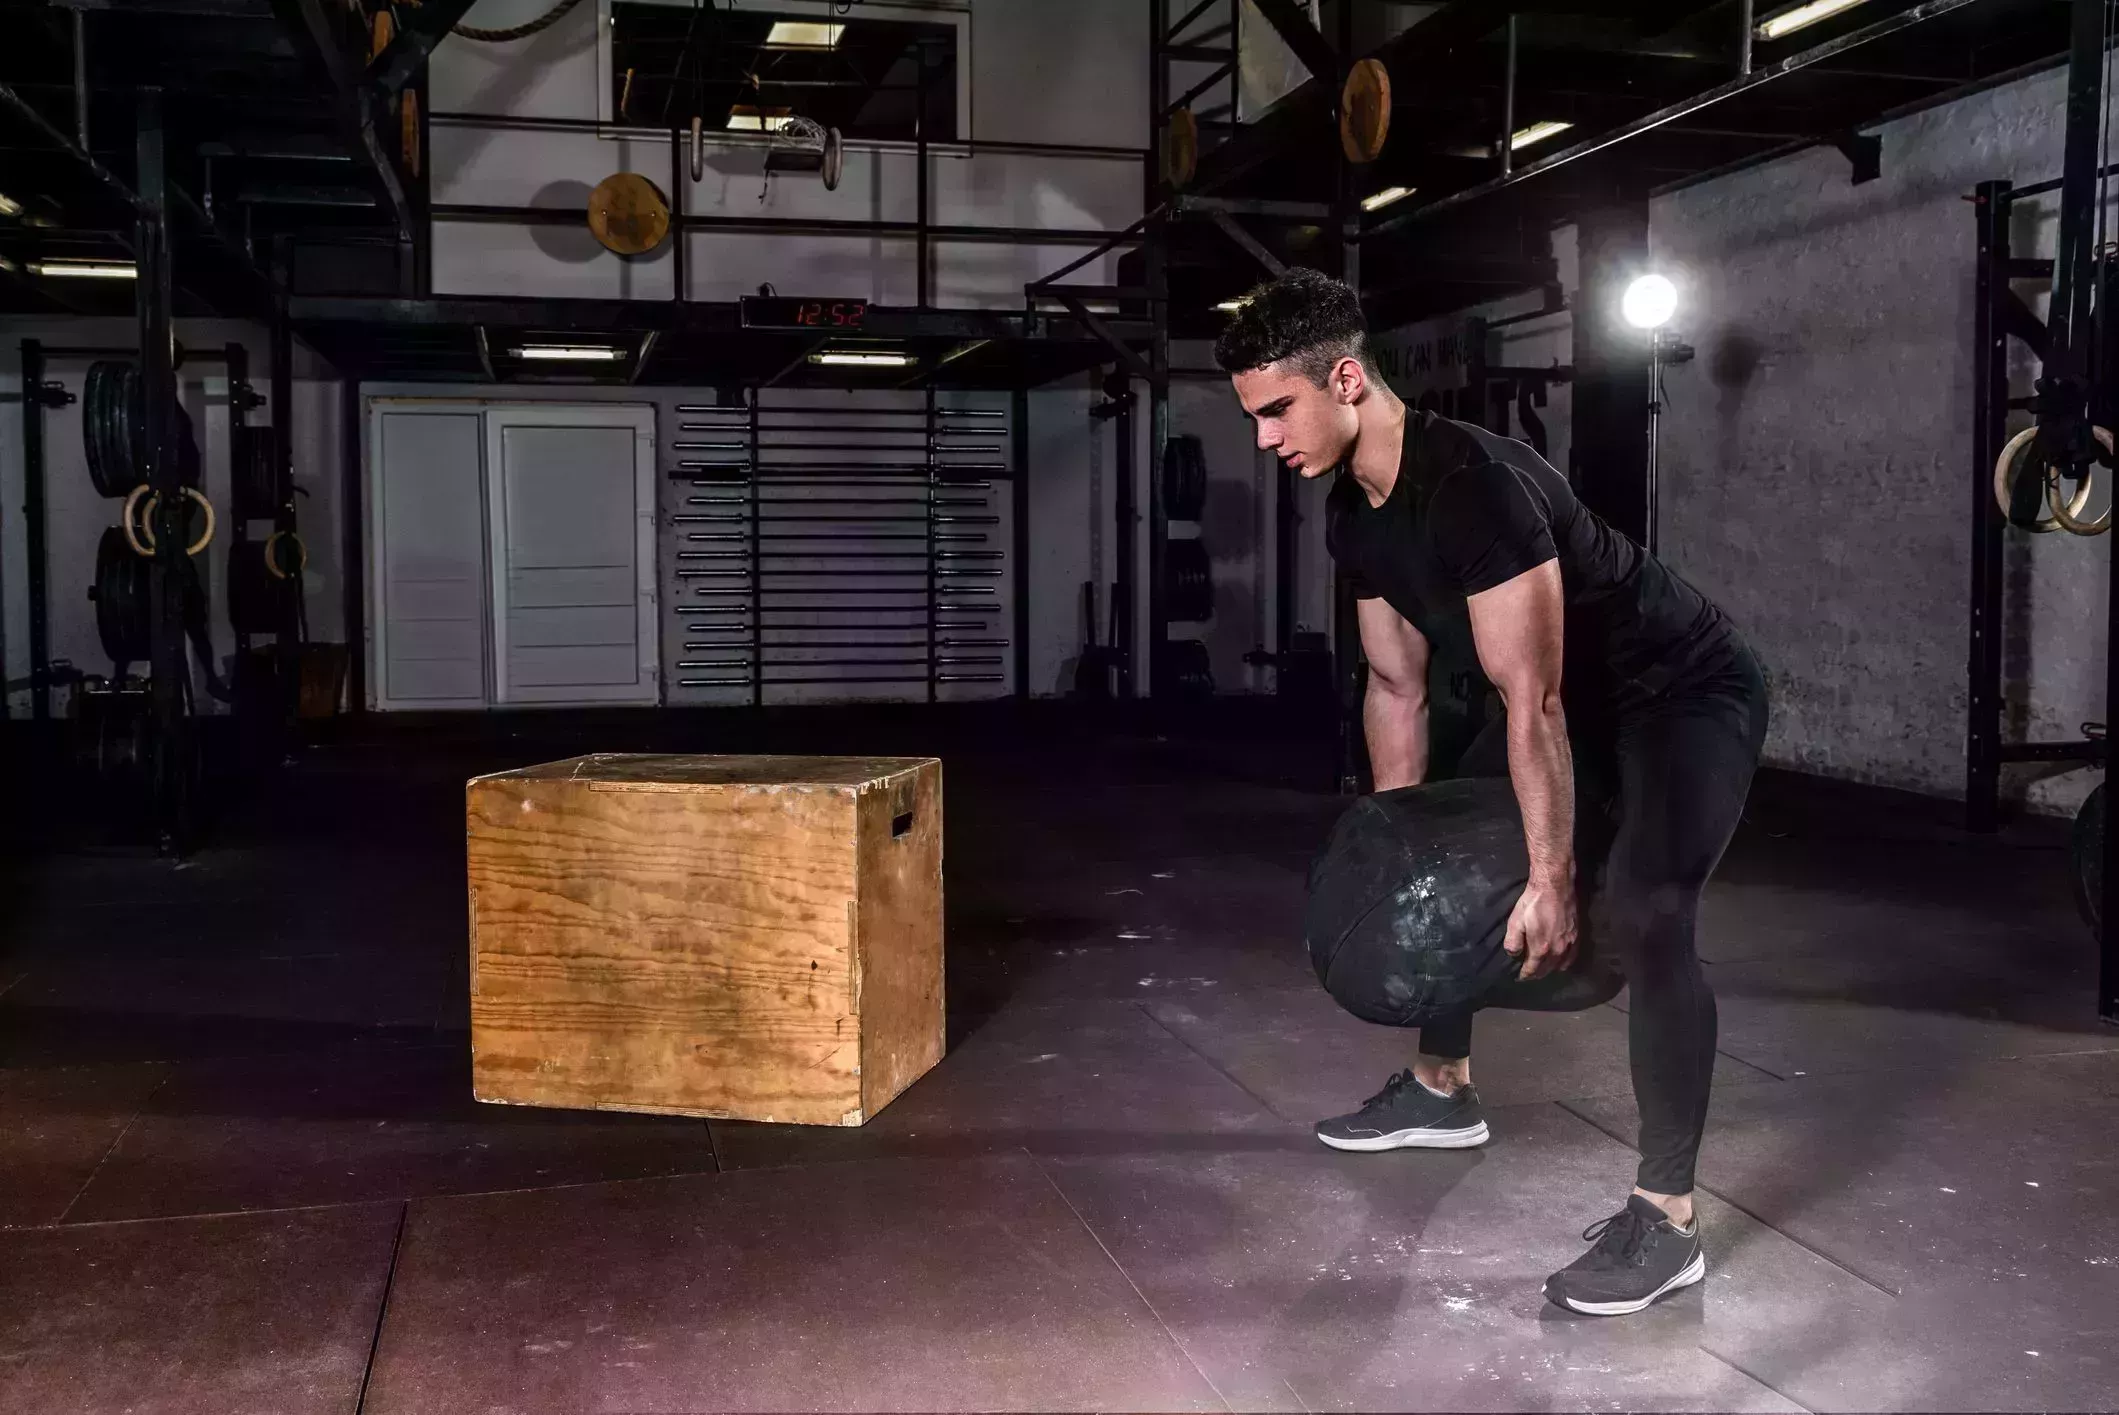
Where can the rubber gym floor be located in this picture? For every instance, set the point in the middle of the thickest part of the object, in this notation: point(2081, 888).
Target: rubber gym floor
point(240, 1169)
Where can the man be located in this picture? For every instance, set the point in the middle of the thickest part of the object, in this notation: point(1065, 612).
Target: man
point(1585, 636)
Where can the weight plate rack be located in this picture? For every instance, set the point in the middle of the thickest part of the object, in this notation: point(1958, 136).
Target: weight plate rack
point(851, 547)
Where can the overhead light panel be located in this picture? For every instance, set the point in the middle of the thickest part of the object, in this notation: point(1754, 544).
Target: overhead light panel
point(862, 358)
point(803, 34)
point(1536, 133)
point(572, 353)
point(85, 269)
point(9, 206)
point(1376, 201)
point(745, 119)
point(1787, 22)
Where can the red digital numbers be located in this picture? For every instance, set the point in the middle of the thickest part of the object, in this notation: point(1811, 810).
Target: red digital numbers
point(840, 314)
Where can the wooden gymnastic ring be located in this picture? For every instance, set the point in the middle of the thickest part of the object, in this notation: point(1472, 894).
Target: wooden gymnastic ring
point(2067, 515)
point(272, 564)
point(134, 533)
point(2005, 479)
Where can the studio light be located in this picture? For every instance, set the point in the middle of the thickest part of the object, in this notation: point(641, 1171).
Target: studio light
point(861, 358)
point(1376, 201)
point(1649, 303)
point(1536, 133)
point(85, 269)
point(576, 353)
point(803, 34)
point(1802, 17)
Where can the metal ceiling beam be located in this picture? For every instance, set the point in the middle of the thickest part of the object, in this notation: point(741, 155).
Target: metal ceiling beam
point(1794, 63)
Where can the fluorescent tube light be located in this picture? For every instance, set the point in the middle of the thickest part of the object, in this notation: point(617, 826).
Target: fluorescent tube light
point(1787, 22)
point(578, 353)
point(750, 120)
point(1536, 133)
point(804, 34)
point(1376, 201)
point(86, 269)
point(9, 206)
point(859, 358)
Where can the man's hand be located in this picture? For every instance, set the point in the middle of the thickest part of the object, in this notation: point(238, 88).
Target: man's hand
point(1541, 929)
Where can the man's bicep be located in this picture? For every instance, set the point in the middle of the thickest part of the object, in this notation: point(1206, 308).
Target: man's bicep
point(1519, 631)
point(1396, 651)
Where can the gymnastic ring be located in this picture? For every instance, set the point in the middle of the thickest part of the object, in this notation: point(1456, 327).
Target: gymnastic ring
point(2004, 483)
point(698, 148)
point(142, 540)
point(2066, 515)
point(272, 564)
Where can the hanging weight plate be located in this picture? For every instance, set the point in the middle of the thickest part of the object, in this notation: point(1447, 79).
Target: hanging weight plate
point(1184, 478)
point(106, 426)
point(1191, 674)
point(1188, 581)
point(834, 159)
point(123, 610)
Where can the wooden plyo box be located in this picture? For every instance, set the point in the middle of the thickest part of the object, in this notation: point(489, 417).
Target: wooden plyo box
point(750, 938)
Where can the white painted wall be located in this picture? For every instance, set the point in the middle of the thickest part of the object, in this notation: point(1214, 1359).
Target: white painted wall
point(1818, 459)
point(76, 516)
point(1039, 72)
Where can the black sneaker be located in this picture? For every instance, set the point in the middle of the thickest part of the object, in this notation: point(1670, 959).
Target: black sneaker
point(1638, 1257)
point(1406, 1115)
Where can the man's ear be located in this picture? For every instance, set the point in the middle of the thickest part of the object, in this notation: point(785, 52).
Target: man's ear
point(1349, 380)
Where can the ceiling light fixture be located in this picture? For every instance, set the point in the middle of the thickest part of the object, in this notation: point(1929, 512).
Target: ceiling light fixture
point(1376, 201)
point(862, 358)
point(1802, 17)
point(803, 34)
point(1231, 306)
point(85, 269)
point(1536, 133)
point(745, 119)
point(9, 206)
point(576, 353)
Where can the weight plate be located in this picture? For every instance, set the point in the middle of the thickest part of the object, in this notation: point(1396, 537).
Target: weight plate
point(1188, 581)
point(2086, 851)
point(123, 612)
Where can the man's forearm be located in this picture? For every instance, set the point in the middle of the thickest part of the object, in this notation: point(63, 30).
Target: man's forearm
point(1541, 767)
point(1396, 726)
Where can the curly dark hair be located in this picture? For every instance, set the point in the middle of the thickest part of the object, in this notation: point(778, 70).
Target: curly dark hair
point(1305, 317)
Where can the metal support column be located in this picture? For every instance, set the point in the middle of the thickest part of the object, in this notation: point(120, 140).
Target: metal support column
point(1506, 142)
point(922, 239)
point(934, 479)
point(1126, 557)
point(1990, 398)
point(289, 648)
point(353, 563)
point(171, 690)
point(237, 359)
point(1156, 259)
point(33, 530)
point(1019, 533)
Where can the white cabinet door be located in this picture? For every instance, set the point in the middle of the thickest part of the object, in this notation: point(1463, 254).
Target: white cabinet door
point(571, 501)
point(428, 532)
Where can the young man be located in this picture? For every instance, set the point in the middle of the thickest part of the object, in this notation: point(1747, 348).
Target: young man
point(1587, 637)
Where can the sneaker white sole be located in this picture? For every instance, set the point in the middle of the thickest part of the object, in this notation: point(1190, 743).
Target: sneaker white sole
point(1469, 1137)
point(1694, 1271)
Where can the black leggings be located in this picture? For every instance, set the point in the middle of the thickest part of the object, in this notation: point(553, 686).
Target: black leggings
point(1682, 768)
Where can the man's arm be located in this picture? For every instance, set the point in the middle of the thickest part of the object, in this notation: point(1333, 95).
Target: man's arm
point(1394, 714)
point(1518, 628)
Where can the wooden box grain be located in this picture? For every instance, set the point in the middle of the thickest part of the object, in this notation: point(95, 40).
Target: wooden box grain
point(752, 938)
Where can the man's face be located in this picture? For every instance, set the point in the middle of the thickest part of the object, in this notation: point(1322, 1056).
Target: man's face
point(1307, 427)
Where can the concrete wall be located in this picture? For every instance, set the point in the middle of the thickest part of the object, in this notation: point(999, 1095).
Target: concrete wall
point(76, 516)
point(1817, 456)
point(1046, 73)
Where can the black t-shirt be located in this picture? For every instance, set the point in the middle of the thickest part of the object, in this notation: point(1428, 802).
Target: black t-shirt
point(1472, 510)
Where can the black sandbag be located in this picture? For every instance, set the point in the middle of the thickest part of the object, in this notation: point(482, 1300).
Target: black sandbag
point(1409, 903)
